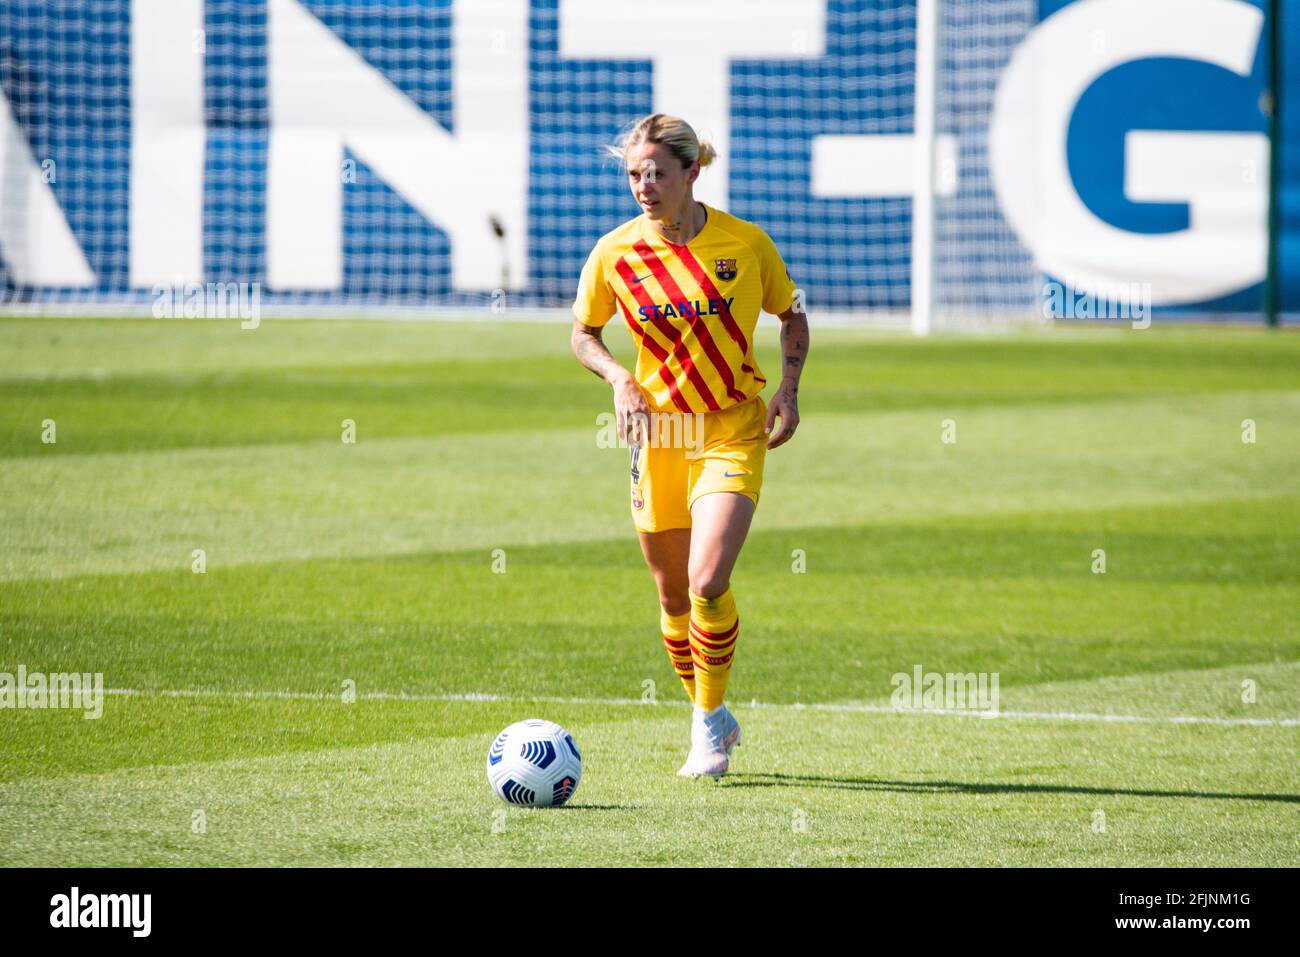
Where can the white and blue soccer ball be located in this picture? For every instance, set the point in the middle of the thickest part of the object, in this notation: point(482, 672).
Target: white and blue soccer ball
point(534, 764)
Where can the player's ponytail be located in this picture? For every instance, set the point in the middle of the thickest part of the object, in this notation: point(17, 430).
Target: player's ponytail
point(669, 131)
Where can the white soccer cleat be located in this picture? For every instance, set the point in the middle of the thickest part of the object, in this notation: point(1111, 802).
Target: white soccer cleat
point(704, 764)
point(730, 731)
point(713, 735)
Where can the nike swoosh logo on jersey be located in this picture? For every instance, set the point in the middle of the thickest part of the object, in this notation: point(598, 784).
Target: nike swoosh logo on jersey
point(732, 474)
point(640, 278)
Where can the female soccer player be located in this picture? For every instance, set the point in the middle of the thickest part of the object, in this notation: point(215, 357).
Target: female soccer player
point(689, 280)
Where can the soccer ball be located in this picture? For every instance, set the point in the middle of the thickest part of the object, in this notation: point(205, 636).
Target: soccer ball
point(534, 764)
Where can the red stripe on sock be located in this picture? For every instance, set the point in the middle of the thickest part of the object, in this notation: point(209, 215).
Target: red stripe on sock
point(715, 640)
point(709, 660)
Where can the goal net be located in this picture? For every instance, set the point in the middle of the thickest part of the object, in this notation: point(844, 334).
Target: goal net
point(396, 154)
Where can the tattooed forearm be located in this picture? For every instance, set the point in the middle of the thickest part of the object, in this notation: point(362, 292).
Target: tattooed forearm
point(794, 344)
point(593, 353)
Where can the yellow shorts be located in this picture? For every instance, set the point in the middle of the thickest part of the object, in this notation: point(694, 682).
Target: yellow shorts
point(723, 453)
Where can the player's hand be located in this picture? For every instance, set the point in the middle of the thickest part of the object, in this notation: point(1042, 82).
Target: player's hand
point(631, 411)
point(785, 403)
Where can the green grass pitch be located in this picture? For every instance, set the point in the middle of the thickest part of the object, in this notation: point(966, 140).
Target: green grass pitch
point(1148, 715)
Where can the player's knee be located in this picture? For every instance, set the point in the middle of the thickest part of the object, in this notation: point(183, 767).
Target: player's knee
point(709, 583)
point(675, 604)
point(674, 594)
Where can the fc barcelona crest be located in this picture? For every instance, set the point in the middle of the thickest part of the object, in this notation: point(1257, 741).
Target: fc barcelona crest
point(724, 268)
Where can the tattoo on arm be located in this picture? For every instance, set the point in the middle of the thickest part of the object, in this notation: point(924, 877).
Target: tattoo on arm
point(592, 351)
point(794, 346)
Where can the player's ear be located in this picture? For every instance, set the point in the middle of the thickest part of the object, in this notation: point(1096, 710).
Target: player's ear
point(693, 173)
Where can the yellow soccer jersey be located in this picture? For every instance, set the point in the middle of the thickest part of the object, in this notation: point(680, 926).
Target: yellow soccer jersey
point(692, 309)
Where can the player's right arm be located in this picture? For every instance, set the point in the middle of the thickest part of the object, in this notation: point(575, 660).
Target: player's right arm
point(630, 406)
point(590, 348)
point(592, 308)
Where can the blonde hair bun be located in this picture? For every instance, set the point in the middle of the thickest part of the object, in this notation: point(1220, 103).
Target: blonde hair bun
point(672, 132)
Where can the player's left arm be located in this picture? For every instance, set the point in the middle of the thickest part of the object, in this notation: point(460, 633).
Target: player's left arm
point(794, 351)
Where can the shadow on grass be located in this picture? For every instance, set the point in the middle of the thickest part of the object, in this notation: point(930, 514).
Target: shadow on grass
point(776, 779)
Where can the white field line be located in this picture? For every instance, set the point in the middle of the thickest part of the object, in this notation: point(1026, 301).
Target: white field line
point(849, 708)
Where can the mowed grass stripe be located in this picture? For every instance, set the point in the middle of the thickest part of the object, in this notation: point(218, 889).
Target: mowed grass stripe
point(242, 410)
point(890, 790)
point(970, 707)
point(127, 512)
point(139, 385)
point(585, 615)
point(141, 728)
point(60, 347)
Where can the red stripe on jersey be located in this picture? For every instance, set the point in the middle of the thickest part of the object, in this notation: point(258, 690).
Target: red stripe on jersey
point(669, 286)
point(706, 285)
point(669, 379)
point(674, 337)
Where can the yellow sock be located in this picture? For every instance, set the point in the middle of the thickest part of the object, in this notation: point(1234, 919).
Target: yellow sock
point(676, 629)
point(714, 627)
